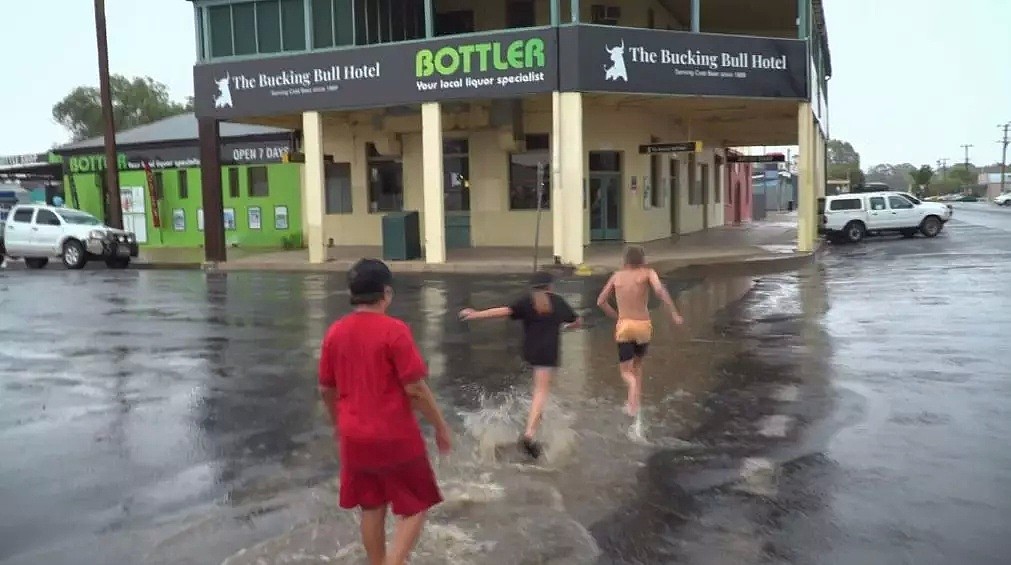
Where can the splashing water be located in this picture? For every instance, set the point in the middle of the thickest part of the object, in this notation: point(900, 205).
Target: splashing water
point(500, 420)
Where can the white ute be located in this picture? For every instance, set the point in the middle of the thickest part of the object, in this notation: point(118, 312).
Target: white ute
point(37, 232)
point(851, 217)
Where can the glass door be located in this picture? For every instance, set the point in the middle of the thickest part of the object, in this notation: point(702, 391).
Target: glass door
point(605, 206)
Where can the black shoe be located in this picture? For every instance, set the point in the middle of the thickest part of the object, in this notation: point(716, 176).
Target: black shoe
point(530, 447)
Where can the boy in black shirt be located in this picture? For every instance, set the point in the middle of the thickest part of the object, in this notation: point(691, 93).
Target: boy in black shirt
point(543, 314)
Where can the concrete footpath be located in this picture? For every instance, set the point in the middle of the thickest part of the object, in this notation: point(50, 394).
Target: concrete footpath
point(772, 241)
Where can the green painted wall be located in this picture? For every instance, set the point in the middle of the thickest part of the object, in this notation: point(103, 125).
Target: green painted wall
point(284, 181)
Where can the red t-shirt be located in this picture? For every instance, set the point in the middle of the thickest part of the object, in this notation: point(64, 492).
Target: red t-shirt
point(369, 358)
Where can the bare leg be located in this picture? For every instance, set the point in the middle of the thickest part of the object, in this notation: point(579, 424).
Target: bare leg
point(542, 388)
point(405, 537)
point(637, 371)
point(628, 373)
point(374, 534)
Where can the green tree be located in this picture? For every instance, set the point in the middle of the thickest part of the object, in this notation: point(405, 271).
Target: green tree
point(922, 177)
point(895, 176)
point(964, 175)
point(135, 102)
point(843, 162)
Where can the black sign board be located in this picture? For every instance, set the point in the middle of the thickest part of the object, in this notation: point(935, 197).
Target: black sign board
point(12, 161)
point(501, 64)
point(647, 61)
point(678, 147)
point(772, 158)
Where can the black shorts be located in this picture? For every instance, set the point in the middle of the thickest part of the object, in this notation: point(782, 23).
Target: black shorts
point(629, 350)
point(548, 360)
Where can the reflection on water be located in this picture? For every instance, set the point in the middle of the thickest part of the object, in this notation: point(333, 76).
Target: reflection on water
point(238, 449)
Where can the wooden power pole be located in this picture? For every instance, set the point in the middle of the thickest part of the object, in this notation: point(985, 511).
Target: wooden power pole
point(1003, 156)
point(115, 206)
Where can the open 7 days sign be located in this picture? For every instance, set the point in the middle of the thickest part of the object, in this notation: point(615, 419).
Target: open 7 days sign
point(502, 64)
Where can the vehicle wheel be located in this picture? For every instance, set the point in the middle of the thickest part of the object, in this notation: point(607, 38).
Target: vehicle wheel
point(36, 262)
point(73, 255)
point(854, 232)
point(908, 233)
point(931, 226)
point(1006, 202)
point(117, 262)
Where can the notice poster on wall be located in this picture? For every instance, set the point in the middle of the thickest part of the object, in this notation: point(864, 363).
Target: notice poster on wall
point(280, 217)
point(179, 219)
point(229, 219)
point(200, 219)
point(254, 216)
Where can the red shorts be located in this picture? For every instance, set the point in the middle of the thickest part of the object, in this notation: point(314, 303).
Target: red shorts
point(409, 488)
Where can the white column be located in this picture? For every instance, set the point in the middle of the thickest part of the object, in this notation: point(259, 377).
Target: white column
point(572, 172)
point(557, 207)
point(314, 182)
point(431, 156)
point(806, 204)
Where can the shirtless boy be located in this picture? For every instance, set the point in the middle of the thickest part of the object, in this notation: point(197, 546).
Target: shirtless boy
point(634, 330)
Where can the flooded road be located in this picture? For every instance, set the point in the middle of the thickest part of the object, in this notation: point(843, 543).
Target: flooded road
point(853, 412)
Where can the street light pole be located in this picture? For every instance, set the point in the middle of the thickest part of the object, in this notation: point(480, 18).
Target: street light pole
point(115, 207)
point(1003, 157)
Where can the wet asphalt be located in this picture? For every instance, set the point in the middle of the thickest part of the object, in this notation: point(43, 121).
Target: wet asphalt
point(854, 411)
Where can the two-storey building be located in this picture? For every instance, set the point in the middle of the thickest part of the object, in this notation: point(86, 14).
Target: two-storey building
point(613, 117)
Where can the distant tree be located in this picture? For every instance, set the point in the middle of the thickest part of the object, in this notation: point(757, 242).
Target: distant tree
point(895, 176)
point(964, 175)
point(922, 177)
point(135, 102)
point(843, 162)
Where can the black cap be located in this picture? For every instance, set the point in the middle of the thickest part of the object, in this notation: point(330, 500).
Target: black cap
point(541, 279)
point(369, 277)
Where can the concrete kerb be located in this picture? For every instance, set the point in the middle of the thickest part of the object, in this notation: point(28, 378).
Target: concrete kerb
point(666, 266)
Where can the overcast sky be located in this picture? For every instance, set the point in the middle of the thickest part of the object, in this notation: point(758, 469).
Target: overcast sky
point(913, 79)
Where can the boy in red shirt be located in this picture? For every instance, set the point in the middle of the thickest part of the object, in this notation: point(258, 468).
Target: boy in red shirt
point(371, 375)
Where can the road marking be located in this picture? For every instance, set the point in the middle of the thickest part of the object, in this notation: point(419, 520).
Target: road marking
point(774, 426)
point(786, 393)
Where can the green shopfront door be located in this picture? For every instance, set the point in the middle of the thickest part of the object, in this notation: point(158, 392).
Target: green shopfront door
point(605, 196)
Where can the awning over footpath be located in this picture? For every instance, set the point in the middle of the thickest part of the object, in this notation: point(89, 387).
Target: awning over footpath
point(31, 166)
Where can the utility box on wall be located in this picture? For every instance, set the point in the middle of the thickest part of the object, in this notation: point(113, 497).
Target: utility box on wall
point(401, 236)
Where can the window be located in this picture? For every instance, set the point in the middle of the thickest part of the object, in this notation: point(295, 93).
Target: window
point(220, 28)
point(268, 27)
point(899, 203)
point(456, 174)
point(333, 23)
point(263, 26)
point(703, 190)
point(523, 174)
point(24, 215)
point(846, 204)
point(386, 182)
point(877, 203)
point(605, 161)
point(46, 218)
point(604, 15)
point(257, 182)
point(693, 185)
point(718, 189)
point(233, 182)
point(674, 180)
point(384, 21)
point(184, 185)
point(655, 173)
point(159, 185)
point(338, 188)
point(293, 24)
point(912, 198)
point(520, 13)
point(453, 23)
